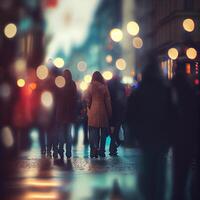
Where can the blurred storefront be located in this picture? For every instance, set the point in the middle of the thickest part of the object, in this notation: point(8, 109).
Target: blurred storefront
point(170, 29)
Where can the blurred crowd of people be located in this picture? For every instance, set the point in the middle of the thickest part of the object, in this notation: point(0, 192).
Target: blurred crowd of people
point(159, 115)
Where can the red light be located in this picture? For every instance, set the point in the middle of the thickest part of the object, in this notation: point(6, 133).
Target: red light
point(51, 3)
point(196, 81)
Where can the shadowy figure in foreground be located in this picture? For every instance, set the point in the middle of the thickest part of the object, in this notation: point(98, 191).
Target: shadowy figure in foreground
point(149, 113)
point(184, 139)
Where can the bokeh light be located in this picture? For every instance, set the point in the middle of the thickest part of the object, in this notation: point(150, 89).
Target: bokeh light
point(137, 42)
point(83, 85)
point(107, 75)
point(20, 66)
point(121, 64)
point(5, 91)
point(189, 25)
point(88, 78)
point(21, 82)
point(47, 99)
point(59, 62)
point(32, 86)
point(42, 72)
point(82, 66)
point(173, 53)
point(60, 81)
point(191, 53)
point(7, 138)
point(10, 30)
point(127, 80)
point(109, 58)
point(133, 28)
point(116, 35)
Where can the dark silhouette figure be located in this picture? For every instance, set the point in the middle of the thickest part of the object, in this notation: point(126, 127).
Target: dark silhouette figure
point(81, 120)
point(185, 135)
point(118, 101)
point(66, 113)
point(149, 113)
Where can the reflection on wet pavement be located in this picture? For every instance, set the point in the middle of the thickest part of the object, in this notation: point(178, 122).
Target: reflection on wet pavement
point(35, 177)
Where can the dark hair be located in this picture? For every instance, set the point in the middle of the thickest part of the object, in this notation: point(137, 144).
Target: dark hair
point(98, 77)
point(67, 74)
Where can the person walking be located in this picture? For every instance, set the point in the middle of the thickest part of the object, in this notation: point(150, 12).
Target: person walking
point(118, 101)
point(185, 137)
point(99, 112)
point(149, 113)
point(66, 114)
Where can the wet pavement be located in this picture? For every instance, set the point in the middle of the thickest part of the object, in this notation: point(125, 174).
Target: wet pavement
point(34, 177)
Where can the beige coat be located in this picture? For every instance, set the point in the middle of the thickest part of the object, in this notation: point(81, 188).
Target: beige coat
point(99, 105)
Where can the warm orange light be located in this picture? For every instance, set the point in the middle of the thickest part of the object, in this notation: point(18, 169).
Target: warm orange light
point(47, 99)
point(173, 53)
point(41, 195)
point(137, 42)
point(33, 86)
point(10, 30)
point(59, 62)
point(109, 58)
point(88, 78)
point(42, 183)
point(107, 75)
point(83, 86)
point(60, 81)
point(191, 53)
point(188, 68)
point(189, 25)
point(42, 72)
point(121, 64)
point(21, 82)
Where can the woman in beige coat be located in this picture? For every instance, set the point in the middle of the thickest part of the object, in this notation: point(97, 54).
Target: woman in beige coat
point(99, 112)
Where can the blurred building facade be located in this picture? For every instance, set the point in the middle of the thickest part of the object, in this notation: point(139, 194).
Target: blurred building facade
point(161, 24)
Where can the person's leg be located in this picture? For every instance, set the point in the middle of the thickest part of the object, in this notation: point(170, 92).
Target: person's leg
point(114, 135)
point(61, 140)
point(68, 140)
point(76, 130)
point(181, 167)
point(42, 140)
point(50, 138)
point(94, 141)
point(85, 131)
point(102, 144)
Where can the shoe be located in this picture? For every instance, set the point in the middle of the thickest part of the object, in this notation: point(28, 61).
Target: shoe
point(113, 154)
point(49, 155)
point(102, 155)
point(55, 155)
point(43, 152)
point(61, 156)
point(68, 157)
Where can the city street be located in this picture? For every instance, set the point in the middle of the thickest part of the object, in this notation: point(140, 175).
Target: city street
point(33, 177)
